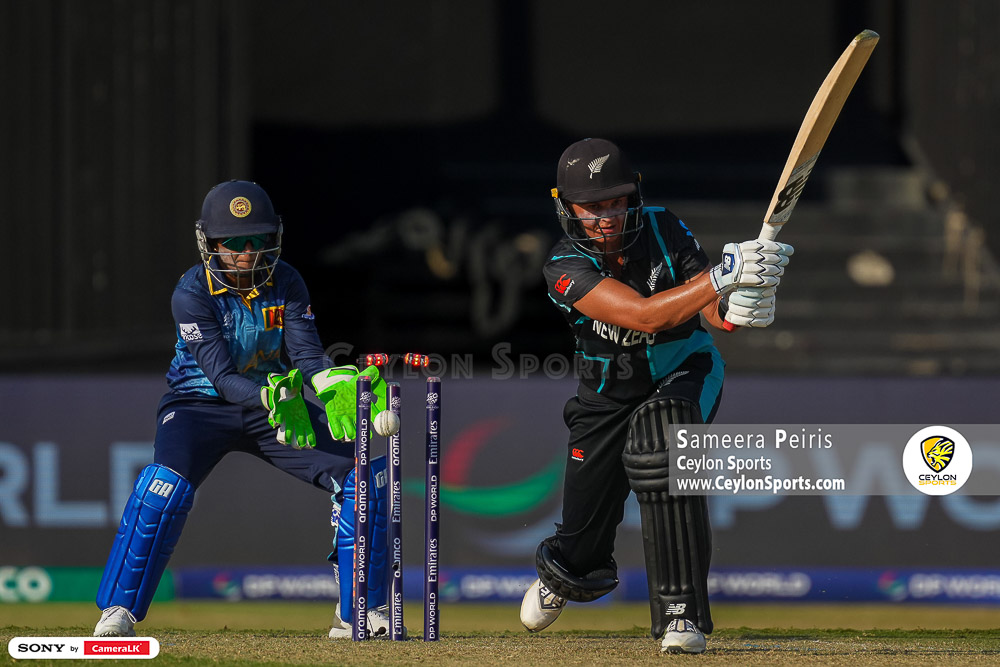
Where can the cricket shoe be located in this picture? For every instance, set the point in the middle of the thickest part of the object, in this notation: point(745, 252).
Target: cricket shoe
point(115, 622)
point(378, 624)
point(682, 636)
point(540, 607)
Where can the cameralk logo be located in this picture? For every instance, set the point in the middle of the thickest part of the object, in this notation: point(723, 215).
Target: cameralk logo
point(937, 460)
point(76, 648)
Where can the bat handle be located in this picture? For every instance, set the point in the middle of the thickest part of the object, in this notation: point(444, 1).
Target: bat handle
point(769, 232)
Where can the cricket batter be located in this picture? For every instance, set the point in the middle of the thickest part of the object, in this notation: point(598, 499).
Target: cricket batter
point(246, 344)
point(631, 282)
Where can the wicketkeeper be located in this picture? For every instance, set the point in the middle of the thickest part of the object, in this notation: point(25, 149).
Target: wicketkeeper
point(247, 344)
point(631, 281)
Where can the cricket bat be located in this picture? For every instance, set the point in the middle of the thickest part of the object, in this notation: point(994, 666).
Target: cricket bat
point(815, 128)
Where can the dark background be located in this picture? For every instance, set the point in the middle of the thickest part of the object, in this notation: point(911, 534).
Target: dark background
point(410, 148)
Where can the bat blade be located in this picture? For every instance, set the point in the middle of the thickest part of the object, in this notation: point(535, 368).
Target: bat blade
point(815, 129)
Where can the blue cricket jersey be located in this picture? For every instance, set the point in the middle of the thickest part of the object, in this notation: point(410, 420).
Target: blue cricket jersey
point(227, 343)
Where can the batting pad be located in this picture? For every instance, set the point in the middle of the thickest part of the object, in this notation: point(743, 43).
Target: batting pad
point(378, 551)
point(150, 527)
point(676, 537)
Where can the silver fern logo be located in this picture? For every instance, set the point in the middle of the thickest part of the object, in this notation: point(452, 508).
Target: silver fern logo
point(654, 276)
point(670, 378)
point(597, 164)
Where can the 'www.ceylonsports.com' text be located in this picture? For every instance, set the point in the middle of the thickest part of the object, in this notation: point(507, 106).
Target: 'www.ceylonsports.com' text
point(743, 484)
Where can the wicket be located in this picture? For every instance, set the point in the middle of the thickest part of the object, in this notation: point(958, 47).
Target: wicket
point(362, 476)
point(395, 529)
point(394, 536)
point(432, 464)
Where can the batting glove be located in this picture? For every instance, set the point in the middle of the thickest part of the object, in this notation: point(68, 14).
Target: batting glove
point(751, 307)
point(286, 409)
point(337, 388)
point(756, 263)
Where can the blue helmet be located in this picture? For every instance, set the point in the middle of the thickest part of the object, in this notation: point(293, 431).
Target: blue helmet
point(232, 210)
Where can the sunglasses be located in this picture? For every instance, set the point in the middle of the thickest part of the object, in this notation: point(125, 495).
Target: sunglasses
point(239, 243)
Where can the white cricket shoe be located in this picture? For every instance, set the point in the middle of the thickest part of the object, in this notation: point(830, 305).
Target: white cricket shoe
point(115, 622)
point(682, 636)
point(378, 624)
point(540, 607)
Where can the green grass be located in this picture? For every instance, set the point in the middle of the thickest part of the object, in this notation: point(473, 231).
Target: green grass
point(263, 633)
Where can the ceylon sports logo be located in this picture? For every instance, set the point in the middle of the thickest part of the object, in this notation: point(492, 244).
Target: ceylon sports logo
point(937, 460)
point(937, 452)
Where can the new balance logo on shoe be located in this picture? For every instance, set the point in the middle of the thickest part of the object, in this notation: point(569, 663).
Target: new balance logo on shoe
point(548, 600)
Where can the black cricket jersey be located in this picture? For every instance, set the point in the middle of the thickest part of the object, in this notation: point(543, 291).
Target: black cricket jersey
point(621, 364)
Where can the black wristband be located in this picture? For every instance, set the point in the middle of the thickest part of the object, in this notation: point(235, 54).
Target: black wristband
point(723, 306)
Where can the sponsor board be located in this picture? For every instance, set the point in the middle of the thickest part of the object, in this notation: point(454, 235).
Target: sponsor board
point(725, 584)
point(61, 584)
point(856, 585)
point(257, 583)
point(484, 584)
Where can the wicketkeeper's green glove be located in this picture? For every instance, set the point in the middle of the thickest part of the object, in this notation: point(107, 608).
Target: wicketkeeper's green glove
point(286, 409)
point(337, 388)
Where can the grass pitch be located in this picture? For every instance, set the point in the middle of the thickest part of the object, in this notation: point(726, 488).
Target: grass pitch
point(264, 633)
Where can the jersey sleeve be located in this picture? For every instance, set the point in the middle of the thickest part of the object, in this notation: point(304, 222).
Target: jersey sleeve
point(569, 277)
point(198, 326)
point(301, 339)
point(691, 257)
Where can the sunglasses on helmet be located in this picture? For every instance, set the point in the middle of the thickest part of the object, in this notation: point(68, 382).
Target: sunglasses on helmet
point(239, 243)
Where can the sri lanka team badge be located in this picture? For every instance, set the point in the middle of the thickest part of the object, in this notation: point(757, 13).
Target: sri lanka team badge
point(240, 207)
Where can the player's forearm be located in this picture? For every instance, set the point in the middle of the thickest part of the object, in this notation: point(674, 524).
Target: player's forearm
point(615, 303)
point(235, 388)
point(678, 305)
